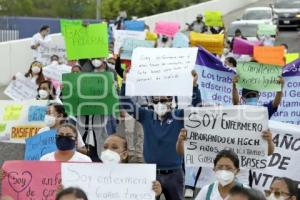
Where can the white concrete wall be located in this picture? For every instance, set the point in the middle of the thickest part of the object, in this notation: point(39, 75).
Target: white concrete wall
point(16, 56)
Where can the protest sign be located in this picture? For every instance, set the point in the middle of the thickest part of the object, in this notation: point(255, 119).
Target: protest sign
point(90, 94)
point(31, 180)
point(134, 25)
point(55, 72)
point(285, 159)
point(213, 18)
point(64, 23)
point(242, 47)
point(259, 77)
point(269, 55)
point(167, 28)
point(40, 144)
point(21, 89)
point(21, 120)
point(121, 35)
point(180, 41)
point(45, 53)
point(290, 57)
point(239, 128)
point(86, 42)
point(161, 72)
point(130, 44)
point(267, 29)
point(116, 182)
point(212, 43)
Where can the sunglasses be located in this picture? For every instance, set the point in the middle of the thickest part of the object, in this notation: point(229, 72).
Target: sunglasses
point(277, 194)
point(156, 101)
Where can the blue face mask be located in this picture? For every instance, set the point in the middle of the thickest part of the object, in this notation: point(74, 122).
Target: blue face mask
point(65, 143)
point(251, 101)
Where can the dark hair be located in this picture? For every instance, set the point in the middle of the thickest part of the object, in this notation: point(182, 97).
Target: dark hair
point(54, 56)
point(52, 88)
point(246, 92)
point(238, 31)
point(291, 184)
point(251, 194)
point(285, 45)
point(231, 60)
point(77, 192)
point(78, 66)
point(44, 27)
point(70, 126)
point(41, 77)
point(59, 108)
point(228, 154)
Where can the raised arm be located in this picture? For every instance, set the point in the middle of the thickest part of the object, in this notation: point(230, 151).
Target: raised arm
point(235, 92)
point(279, 94)
point(180, 142)
point(196, 101)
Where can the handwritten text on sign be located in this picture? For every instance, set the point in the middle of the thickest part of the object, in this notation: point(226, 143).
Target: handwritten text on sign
point(161, 72)
point(114, 182)
point(121, 35)
point(210, 130)
point(260, 77)
point(31, 180)
point(285, 159)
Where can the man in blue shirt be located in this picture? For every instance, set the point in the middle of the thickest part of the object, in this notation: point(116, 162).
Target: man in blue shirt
point(162, 126)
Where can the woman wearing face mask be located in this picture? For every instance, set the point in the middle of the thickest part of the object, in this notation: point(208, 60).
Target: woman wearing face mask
point(56, 116)
point(282, 189)
point(35, 73)
point(66, 141)
point(226, 167)
point(46, 91)
point(115, 151)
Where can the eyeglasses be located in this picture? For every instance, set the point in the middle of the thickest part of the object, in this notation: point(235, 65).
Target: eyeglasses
point(156, 101)
point(277, 194)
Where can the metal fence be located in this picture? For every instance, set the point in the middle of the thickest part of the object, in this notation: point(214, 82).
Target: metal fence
point(7, 35)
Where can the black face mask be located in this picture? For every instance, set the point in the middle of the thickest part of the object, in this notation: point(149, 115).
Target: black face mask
point(164, 39)
point(64, 143)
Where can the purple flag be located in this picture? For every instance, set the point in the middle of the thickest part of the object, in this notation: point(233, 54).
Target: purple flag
point(292, 69)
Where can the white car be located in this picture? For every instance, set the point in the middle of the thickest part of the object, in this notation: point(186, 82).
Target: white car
point(248, 29)
point(259, 15)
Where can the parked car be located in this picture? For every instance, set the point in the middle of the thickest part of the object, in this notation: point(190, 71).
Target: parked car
point(287, 13)
point(259, 15)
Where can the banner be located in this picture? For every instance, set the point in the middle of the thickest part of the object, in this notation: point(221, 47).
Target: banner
point(21, 120)
point(284, 162)
point(134, 25)
point(290, 57)
point(64, 23)
point(114, 182)
point(212, 129)
point(180, 41)
point(45, 53)
point(213, 18)
point(90, 94)
point(212, 43)
point(130, 44)
point(242, 47)
point(55, 72)
point(40, 144)
point(86, 42)
point(259, 77)
point(167, 28)
point(121, 35)
point(161, 72)
point(31, 180)
point(269, 55)
point(267, 29)
point(21, 89)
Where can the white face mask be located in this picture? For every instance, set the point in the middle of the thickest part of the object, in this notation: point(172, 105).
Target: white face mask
point(54, 62)
point(97, 63)
point(49, 120)
point(43, 94)
point(272, 197)
point(160, 109)
point(110, 157)
point(111, 66)
point(224, 177)
point(35, 70)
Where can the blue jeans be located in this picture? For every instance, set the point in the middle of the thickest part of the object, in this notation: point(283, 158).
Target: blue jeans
point(172, 185)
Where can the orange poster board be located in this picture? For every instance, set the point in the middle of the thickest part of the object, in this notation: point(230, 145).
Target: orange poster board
point(269, 55)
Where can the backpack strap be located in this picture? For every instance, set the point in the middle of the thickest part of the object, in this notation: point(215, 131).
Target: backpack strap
point(209, 191)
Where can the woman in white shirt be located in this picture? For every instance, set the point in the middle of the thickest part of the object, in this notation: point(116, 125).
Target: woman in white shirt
point(226, 167)
point(40, 42)
point(66, 140)
point(46, 91)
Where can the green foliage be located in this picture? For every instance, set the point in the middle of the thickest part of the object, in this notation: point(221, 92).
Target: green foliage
point(109, 9)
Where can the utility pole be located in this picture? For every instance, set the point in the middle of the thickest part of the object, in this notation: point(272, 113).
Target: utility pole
point(98, 9)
